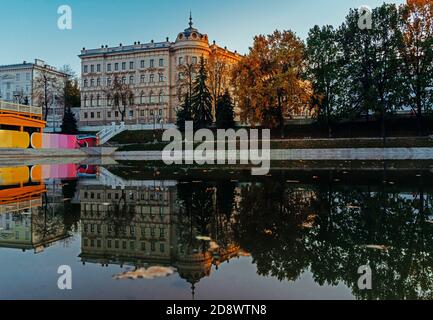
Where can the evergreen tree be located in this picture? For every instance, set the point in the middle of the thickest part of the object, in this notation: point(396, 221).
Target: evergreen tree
point(69, 123)
point(201, 100)
point(224, 112)
point(184, 113)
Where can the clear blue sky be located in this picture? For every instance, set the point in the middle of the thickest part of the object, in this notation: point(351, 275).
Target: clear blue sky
point(29, 30)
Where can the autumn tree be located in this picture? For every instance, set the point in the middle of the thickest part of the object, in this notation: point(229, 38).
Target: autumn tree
point(119, 95)
point(201, 99)
point(416, 51)
point(269, 83)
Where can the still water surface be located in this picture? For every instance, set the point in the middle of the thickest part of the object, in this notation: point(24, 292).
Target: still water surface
point(128, 233)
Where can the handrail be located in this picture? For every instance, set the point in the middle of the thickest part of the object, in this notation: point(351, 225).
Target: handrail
point(15, 107)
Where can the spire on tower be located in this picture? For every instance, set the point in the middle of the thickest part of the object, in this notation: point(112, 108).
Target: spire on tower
point(190, 19)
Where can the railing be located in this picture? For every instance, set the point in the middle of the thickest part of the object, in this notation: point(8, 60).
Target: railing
point(109, 132)
point(20, 108)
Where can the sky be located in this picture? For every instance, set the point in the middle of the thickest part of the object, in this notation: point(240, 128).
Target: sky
point(29, 29)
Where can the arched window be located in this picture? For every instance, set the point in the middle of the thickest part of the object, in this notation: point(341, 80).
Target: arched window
point(142, 97)
point(151, 97)
point(161, 97)
point(98, 100)
point(131, 99)
point(86, 103)
point(91, 100)
point(108, 100)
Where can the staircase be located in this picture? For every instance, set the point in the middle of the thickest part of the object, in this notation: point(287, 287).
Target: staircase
point(109, 132)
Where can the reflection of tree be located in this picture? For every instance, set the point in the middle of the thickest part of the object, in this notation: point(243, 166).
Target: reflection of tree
point(352, 227)
point(120, 214)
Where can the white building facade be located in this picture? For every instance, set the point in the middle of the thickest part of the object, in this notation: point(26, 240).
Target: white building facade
point(151, 70)
point(19, 84)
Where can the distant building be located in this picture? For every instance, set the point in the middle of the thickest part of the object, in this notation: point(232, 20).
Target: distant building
point(154, 71)
point(19, 83)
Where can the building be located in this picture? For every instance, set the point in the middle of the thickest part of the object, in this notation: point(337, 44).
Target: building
point(22, 84)
point(155, 72)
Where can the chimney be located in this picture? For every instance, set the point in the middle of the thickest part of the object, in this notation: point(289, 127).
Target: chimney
point(152, 41)
point(167, 39)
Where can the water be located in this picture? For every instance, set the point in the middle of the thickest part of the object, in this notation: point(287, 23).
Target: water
point(135, 233)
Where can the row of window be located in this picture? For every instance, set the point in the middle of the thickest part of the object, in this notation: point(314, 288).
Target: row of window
point(97, 82)
point(131, 196)
point(151, 98)
point(97, 228)
point(18, 77)
point(122, 66)
point(132, 245)
point(116, 114)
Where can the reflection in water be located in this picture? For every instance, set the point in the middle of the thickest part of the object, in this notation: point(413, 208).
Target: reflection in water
point(327, 225)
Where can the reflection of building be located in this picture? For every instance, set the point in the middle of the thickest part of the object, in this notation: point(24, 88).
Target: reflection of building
point(29, 210)
point(153, 71)
point(141, 226)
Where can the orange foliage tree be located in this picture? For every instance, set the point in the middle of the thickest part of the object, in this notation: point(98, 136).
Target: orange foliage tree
point(269, 83)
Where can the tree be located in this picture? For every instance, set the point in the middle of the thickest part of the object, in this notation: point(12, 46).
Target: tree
point(269, 83)
point(201, 100)
point(219, 78)
point(225, 116)
point(119, 95)
point(184, 113)
point(69, 123)
point(324, 71)
point(47, 90)
point(71, 94)
point(416, 51)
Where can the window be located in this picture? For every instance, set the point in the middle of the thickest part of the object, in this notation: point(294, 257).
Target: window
point(162, 232)
point(109, 116)
point(161, 62)
point(131, 65)
point(142, 98)
point(152, 246)
point(28, 76)
point(142, 78)
point(86, 82)
point(123, 65)
point(98, 100)
point(131, 80)
point(143, 246)
point(152, 78)
point(142, 63)
point(85, 115)
point(17, 77)
point(108, 81)
point(91, 101)
point(92, 82)
point(152, 63)
point(98, 82)
point(194, 60)
point(160, 112)
point(116, 114)
point(98, 115)
point(116, 66)
point(108, 100)
point(142, 114)
point(180, 61)
point(98, 68)
point(92, 68)
point(86, 69)
point(131, 113)
point(109, 67)
point(161, 77)
point(161, 97)
point(161, 247)
point(124, 80)
point(109, 244)
point(92, 115)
